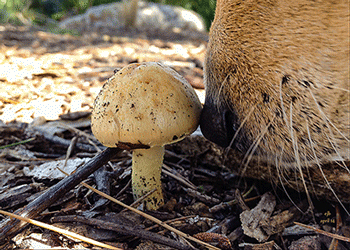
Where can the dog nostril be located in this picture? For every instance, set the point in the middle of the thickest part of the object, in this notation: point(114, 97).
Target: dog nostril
point(217, 124)
point(220, 126)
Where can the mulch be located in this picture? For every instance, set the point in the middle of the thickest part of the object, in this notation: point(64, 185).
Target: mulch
point(47, 86)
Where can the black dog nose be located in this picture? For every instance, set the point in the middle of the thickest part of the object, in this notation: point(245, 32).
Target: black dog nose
point(219, 125)
point(213, 124)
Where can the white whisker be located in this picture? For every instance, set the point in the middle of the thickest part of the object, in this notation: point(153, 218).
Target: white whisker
point(297, 157)
point(282, 106)
point(342, 89)
point(327, 121)
point(341, 159)
point(324, 116)
point(238, 130)
point(321, 170)
point(307, 167)
point(222, 85)
point(254, 146)
point(279, 174)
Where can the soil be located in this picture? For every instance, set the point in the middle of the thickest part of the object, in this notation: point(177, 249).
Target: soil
point(48, 83)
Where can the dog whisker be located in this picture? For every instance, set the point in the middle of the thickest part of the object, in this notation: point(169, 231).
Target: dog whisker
point(238, 130)
point(326, 119)
point(297, 156)
point(250, 152)
point(322, 172)
point(279, 169)
point(332, 141)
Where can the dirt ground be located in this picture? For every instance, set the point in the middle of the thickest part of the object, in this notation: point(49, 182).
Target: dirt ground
point(47, 86)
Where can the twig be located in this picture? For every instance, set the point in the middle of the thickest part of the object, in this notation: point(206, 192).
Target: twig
point(202, 197)
point(123, 189)
point(75, 130)
point(122, 229)
point(9, 227)
point(137, 211)
point(339, 223)
point(171, 221)
point(168, 152)
point(59, 230)
point(335, 236)
point(58, 140)
point(89, 137)
point(70, 149)
point(155, 220)
point(167, 170)
point(224, 205)
point(141, 199)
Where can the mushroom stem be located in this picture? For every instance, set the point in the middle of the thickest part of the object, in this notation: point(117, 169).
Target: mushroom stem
point(146, 172)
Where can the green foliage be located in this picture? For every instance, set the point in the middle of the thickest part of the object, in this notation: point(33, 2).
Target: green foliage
point(99, 2)
point(58, 9)
point(14, 5)
point(45, 11)
point(206, 8)
point(17, 143)
point(13, 11)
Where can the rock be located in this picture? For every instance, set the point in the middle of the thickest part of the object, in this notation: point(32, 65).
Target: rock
point(150, 17)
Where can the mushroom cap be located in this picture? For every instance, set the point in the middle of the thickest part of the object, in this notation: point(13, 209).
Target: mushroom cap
point(145, 103)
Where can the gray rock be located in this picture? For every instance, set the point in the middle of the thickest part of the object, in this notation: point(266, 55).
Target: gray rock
point(150, 16)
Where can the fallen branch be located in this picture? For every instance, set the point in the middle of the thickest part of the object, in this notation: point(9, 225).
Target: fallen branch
point(123, 229)
point(10, 227)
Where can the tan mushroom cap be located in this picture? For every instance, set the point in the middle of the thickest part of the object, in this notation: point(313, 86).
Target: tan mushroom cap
point(145, 103)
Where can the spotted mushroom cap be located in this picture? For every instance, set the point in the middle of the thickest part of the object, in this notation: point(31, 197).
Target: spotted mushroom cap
point(145, 103)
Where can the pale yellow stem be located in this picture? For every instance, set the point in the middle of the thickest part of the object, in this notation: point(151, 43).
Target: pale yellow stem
point(146, 171)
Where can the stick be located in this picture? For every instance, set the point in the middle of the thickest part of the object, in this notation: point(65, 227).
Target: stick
point(123, 229)
point(61, 231)
point(10, 227)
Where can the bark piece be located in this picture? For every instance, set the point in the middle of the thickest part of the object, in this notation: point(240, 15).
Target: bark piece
point(251, 219)
point(277, 223)
point(306, 243)
point(17, 195)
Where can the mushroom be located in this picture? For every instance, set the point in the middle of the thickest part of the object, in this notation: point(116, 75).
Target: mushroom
point(145, 106)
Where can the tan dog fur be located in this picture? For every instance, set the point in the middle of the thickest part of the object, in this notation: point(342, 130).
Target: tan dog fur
point(283, 68)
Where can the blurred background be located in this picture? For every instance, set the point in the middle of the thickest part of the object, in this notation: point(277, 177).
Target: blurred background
point(44, 12)
point(56, 54)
